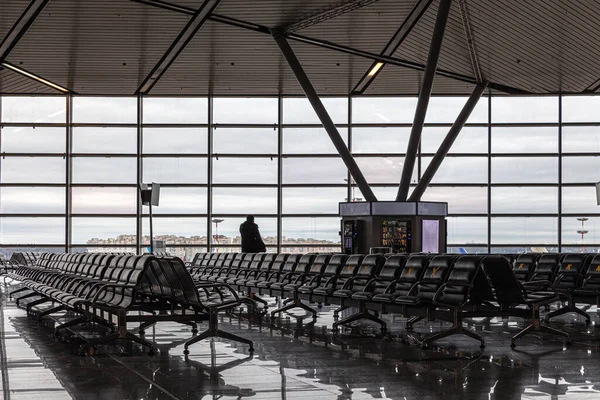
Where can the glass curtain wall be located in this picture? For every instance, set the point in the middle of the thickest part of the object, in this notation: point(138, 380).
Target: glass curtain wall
point(520, 176)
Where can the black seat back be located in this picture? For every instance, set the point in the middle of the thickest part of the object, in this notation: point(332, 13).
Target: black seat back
point(507, 289)
point(546, 267)
point(466, 280)
point(571, 268)
point(435, 275)
point(591, 278)
point(368, 269)
point(524, 265)
point(411, 273)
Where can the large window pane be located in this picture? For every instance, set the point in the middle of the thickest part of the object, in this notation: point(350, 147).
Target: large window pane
point(31, 230)
point(173, 110)
point(380, 140)
point(446, 109)
point(580, 169)
point(524, 169)
point(244, 201)
point(102, 230)
point(525, 230)
point(32, 200)
point(245, 170)
point(245, 140)
point(105, 109)
point(467, 230)
point(317, 230)
point(184, 200)
point(524, 109)
point(179, 231)
point(105, 140)
point(314, 170)
point(532, 200)
point(310, 141)
point(34, 109)
point(470, 140)
point(175, 170)
point(313, 200)
point(383, 169)
point(580, 108)
point(570, 226)
point(581, 139)
point(33, 140)
point(104, 200)
point(383, 110)
point(33, 170)
point(524, 140)
point(385, 193)
point(297, 110)
point(175, 141)
point(461, 200)
point(104, 170)
point(249, 110)
point(459, 170)
point(579, 200)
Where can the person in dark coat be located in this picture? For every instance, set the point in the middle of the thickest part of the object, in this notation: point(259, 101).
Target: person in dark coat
point(251, 240)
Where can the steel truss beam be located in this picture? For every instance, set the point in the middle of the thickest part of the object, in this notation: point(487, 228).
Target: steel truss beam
point(323, 115)
point(20, 27)
point(464, 14)
point(330, 45)
point(444, 148)
point(322, 16)
point(182, 40)
point(390, 48)
point(423, 101)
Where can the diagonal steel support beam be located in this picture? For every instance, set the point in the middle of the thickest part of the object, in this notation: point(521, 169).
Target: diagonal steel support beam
point(323, 115)
point(322, 16)
point(424, 96)
point(444, 148)
point(21, 26)
point(407, 26)
point(182, 40)
point(464, 15)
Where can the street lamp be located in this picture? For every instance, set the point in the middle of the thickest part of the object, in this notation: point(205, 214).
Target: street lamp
point(216, 221)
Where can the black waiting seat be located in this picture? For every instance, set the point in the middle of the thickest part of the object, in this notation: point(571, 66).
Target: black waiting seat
point(524, 265)
point(297, 275)
point(332, 268)
point(385, 280)
point(271, 263)
point(255, 267)
point(544, 271)
point(409, 276)
point(236, 271)
point(367, 271)
point(280, 270)
point(464, 280)
point(509, 292)
point(337, 282)
point(313, 273)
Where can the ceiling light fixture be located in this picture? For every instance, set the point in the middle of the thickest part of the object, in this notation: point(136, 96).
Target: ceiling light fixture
point(375, 69)
point(34, 77)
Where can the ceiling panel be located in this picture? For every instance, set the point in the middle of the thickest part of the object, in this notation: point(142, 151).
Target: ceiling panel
point(10, 11)
point(12, 82)
point(97, 47)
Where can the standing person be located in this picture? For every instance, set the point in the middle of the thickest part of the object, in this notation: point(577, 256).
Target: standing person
point(251, 240)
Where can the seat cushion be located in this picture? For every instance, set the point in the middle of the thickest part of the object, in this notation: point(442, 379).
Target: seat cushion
point(362, 295)
point(343, 293)
point(407, 300)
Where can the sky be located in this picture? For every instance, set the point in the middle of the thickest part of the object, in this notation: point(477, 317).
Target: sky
point(104, 154)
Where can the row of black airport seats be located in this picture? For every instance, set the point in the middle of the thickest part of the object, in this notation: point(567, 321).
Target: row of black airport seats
point(445, 286)
point(114, 290)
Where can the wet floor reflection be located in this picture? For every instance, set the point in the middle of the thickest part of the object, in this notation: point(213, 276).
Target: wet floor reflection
point(297, 358)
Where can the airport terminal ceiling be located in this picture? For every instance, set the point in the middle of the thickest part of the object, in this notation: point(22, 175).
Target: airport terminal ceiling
point(111, 47)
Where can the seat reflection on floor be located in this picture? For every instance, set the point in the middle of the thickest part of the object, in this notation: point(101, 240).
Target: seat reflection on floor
point(298, 358)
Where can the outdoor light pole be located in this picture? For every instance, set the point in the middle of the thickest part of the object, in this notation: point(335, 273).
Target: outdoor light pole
point(217, 221)
point(582, 231)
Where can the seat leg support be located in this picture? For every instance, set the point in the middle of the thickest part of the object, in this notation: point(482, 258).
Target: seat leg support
point(214, 331)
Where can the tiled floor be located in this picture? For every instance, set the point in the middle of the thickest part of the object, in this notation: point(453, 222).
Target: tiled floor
point(294, 360)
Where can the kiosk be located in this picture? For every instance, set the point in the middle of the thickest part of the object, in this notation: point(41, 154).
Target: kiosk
point(394, 227)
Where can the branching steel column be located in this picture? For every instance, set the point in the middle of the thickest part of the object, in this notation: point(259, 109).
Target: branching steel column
point(424, 95)
point(182, 40)
point(323, 115)
point(444, 148)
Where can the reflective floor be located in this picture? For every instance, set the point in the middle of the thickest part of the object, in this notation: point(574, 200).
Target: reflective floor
point(297, 360)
